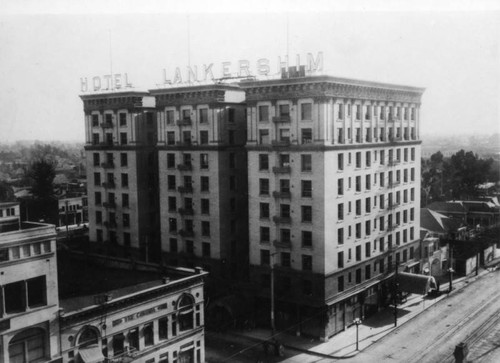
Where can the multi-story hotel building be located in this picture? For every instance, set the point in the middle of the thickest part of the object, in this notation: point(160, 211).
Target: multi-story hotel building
point(29, 330)
point(334, 192)
point(203, 177)
point(122, 171)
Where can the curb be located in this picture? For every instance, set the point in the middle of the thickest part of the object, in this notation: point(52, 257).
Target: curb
point(463, 283)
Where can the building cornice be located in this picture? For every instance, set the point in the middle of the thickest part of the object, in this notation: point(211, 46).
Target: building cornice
point(321, 147)
point(330, 87)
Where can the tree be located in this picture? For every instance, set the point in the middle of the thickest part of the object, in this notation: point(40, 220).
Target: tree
point(6, 192)
point(42, 173)
point(464, 171)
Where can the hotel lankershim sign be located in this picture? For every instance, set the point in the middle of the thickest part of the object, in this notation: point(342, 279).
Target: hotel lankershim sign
point(208, 72)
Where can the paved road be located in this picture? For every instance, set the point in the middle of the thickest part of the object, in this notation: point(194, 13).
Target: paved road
point(471, 313)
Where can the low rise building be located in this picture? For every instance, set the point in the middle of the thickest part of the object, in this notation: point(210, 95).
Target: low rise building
point(29, 325)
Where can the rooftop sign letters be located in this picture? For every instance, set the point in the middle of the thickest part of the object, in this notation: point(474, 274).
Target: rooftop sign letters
point(108, 82)
point(243, 68)
point(140, 314)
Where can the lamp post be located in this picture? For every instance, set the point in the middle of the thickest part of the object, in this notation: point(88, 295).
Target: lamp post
point(450, 271)
point(357, 321)
point(273, 326)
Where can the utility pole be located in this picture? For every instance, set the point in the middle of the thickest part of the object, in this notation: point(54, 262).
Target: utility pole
point(273, 326)
point(396, 296)
point(66, 219)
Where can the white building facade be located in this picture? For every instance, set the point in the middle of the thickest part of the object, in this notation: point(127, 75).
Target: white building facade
point(334, 193)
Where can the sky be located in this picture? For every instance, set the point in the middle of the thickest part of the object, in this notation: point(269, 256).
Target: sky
point(46, 47)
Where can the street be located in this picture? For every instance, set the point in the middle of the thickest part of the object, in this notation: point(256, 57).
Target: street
point(471, 313)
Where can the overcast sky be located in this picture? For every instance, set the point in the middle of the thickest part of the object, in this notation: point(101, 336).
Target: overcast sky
point(453, 53)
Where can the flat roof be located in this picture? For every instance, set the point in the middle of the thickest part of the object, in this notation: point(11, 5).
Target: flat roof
point(329, 79)
point(80, 281)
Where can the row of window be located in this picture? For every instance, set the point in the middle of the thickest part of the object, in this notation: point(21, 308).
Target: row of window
point(366, 112)
point(111, 200)
point(369, 206)
point(285, 212)
point(110, 180)
point(186, 137)
point(406, 254)
point(394, 180)
point(306, 260)
point(24, 251)
point(189, 247)
point(122, 119)
point(108, 162)
point(283, 135)
point(186, 161)
point(188, 227)
point(8, 212)
point(186, 114)
point(111, 222)
point(23, 295)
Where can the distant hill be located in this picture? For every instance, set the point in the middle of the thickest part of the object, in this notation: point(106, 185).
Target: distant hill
point(485, 145)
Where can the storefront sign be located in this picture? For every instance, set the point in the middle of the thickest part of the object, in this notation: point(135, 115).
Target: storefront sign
point(139, 314)
point(107, 82)
point(242, 68)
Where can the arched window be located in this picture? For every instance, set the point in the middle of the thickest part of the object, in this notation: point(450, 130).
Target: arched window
point(186, 312)
point(28, 346)
point(88, 336)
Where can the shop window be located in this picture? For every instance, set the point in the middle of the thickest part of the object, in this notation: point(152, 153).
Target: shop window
point(163, 328)
point(28, 346)
point(118, 344)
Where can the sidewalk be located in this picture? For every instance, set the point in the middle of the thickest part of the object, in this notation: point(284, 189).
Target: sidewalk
point(343, 345)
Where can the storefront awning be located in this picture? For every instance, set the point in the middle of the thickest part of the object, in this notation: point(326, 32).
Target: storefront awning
point(91, 354)
point(415, 284)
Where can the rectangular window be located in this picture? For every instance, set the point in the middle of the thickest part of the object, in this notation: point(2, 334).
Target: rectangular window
point(358, 183)
point(95, 120)
point(170, 137)
point(340, 211)
point(340, 283)
point(340, 259)
point(263, 186)
point(171, 182)
point(97, 179)
point(358, 160)
point(14, 297)
point(264, 234)
point(203, 137)
point(205, 228)
point(306, 111)
point(306, 213)
point(368, 250)
point(285, 259)
point(264, 210)
point(97, 159)
point(340, 114)
point(358, 207)
point(306, 136)
point(203, 161)
point(124, 180)
point(123, 138)
point(340, 236)
point(368, 205)
point(203, 113)
point(358, 276)
point(98, 199)
point(172, 204)
point(284, 110)
point(205, 206)
point(263, 162)
point(265, 257)
point(412, 154)
point(263, 113)
point(306, 187)
point(126, 220)
point(306, 162)
point(306, 263)
point(306, 239)
point(204, 184)
point(170, 114)
point(264, 136)
point(368, 158)
point(340, 161)
point(340, 186)
point(358, 230)
point(37, 291)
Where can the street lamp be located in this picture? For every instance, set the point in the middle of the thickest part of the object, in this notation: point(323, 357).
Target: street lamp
point(357, 321)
